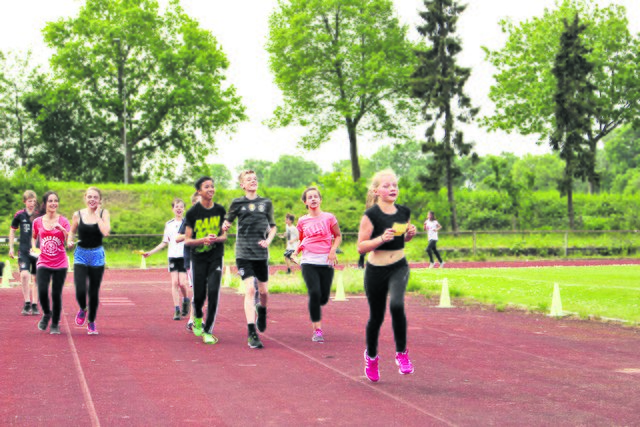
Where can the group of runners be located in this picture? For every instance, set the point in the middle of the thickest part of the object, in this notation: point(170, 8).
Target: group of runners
point(196, 250)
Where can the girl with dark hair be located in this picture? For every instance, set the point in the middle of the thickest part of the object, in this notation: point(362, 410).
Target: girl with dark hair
point(52, 229)
point(91, 224)
point(431, 226)
point(319, 239)
point(384, 229)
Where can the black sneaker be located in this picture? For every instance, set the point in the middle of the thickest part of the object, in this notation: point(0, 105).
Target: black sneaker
point(54, 330)
point(44, 322)
point(26, 310)
point(261, 322)
point(176, 315)
point(34, 309)
point(254, 340)
point(185, 307)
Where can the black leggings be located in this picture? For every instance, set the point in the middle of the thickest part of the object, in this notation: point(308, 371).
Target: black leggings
point(378, 282)
point(82, 275)
point(318, 279)
point(56, 277)
point(207, 276)
point(431, 249)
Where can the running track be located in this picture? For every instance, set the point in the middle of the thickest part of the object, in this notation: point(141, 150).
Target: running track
point(473, 366)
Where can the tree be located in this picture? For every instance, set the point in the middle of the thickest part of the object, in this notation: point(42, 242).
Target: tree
point(341, 63)
point(157, 79)
point(538, 173)
point(501, 179)
point(573, 110)
point(621, 158)
point(406, 159)
point(17, 74)
point(439, 82)
point(525, 84)
point(292, 172)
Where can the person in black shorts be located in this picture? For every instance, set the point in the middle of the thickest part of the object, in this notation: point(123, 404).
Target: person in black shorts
point(205, 237)
point(23, 221)
point(256, 230)
point(178, 272)
point(195, 198)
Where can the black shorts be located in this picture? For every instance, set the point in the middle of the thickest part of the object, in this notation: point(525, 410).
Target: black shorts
point(258, 268)
point(27, 262)
point(177, 264)
point(288, 253)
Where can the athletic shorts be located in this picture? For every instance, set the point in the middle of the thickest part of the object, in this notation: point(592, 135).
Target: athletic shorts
point(27, 262)
point(93, 257)
point(288, 253)
point(253, 268)
point(177, 264)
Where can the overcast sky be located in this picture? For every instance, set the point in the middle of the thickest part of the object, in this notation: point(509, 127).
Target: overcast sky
point(241, 26)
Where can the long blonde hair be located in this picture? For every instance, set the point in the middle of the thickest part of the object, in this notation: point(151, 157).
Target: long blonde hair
point(372, 198)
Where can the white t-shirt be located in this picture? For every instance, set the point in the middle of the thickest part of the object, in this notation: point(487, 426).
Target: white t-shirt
point(291, 235)
point(171, 228)
point(432, 229)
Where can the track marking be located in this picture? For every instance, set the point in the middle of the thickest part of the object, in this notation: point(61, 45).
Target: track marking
point(86, 393)
point(370, 386)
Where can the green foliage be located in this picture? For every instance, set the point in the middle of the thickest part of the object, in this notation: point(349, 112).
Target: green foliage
point(161, 73)
point(573, 110)
point(17, 128)
point(525, 84)
point(438, 82)
point(341, 63)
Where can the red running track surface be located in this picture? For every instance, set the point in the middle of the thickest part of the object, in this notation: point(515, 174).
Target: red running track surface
point(474, 366)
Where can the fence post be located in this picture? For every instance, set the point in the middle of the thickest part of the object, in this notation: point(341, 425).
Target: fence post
point(566, 243)
point(474, 243)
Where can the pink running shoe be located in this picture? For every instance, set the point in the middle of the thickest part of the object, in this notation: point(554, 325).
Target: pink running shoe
point(91, 329)
point(81, 317)
point(317, 336)
point(402, 360)
point(371, 368)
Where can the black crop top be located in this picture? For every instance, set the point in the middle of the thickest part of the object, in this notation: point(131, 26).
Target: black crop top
point(89, 235)
point(381, 221)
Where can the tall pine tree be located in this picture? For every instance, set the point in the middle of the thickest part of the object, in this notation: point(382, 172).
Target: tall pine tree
point(439, 82)
point(573, 111)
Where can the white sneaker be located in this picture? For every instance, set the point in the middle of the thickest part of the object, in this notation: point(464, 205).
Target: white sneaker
point(431, 265)
point(442, 265)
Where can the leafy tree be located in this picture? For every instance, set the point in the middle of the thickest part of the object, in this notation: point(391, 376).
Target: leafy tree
point(501, 179)
point(573, 110)
point(525, 84)
point(474, 171)
point(341, 63)
point(17, 74)
point(292, 172)
point(621, 159)
point(157, 79)
point(406, 159)
point(70, 142)
point(439, 82)
point(538, 172)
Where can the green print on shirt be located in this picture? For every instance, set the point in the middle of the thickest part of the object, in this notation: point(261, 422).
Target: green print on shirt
point(203, 228)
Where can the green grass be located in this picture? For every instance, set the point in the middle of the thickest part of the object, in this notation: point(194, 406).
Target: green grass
point(604, 292)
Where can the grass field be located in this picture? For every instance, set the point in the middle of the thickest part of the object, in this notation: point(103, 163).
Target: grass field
point(604, 292)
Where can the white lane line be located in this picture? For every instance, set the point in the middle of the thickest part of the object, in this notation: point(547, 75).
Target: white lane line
point(86, 393)
point(371, 386)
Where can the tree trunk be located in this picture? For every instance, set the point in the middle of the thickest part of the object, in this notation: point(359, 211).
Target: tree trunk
point(353, 150)
point(570, 207)
point(451, 198)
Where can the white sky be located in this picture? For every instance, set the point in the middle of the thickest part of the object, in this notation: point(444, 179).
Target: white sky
point(241, 27)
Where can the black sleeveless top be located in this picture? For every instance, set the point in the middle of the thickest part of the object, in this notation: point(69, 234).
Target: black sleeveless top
point(89, 235)
point(381, 221)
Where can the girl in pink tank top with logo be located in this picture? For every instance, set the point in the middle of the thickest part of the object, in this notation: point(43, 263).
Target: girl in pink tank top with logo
point(51, 229)
point(319, 239)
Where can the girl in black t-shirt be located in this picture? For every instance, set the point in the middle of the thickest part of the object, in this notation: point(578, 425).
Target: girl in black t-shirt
point(384, 229)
